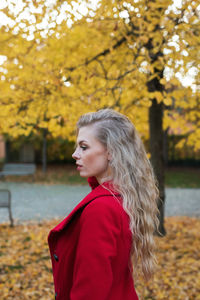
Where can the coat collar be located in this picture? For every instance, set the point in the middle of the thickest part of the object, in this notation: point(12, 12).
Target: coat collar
point(93, 183)
point(105, 189)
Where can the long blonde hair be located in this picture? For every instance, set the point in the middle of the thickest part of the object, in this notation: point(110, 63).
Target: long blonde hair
point(133, 178)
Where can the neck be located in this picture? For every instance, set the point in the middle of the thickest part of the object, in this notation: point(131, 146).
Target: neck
point(103, 179)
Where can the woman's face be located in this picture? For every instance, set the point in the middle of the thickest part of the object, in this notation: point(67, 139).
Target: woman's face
point(91, 156)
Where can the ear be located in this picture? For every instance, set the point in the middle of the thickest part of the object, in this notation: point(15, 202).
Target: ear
point(109, 156)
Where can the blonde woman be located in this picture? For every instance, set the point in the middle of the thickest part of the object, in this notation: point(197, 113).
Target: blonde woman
point(106, 238)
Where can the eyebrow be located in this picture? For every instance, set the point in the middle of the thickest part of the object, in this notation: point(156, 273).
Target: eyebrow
point(80, 142)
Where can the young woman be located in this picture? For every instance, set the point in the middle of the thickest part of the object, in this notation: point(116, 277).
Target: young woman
point(106, 238)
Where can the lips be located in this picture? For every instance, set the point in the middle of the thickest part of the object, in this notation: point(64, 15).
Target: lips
point(79, 167)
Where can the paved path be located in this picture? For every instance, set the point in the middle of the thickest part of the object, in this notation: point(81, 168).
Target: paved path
point(37, 202)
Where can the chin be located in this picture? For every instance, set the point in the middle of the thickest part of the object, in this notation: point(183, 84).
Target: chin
point(84, 175)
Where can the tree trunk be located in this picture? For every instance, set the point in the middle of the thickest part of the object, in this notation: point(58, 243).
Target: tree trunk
point(44, 151)
point(157, 155)
point(166, 146)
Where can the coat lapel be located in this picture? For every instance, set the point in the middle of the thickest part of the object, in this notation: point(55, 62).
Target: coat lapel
point(97, 191)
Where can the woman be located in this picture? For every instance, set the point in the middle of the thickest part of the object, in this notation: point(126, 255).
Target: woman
point(111, 229)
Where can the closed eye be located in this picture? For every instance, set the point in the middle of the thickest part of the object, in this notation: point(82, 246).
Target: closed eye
point(83, 147)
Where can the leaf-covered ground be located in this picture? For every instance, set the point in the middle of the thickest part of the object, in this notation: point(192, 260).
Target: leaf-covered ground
point(25, 267)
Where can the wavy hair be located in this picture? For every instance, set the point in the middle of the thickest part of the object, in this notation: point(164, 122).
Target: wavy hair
point(133, 178)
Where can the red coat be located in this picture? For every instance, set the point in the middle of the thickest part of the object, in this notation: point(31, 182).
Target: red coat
point(90, 250)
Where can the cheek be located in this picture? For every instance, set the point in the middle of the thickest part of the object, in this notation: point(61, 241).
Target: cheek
point(89, 158)
point(95, 159)
point(98, 162)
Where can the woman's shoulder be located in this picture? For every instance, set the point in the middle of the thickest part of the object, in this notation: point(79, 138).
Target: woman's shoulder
point(105, 205)
point(107, 213)
point(106, 201)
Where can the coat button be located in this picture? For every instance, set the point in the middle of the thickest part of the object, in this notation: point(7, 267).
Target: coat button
point(56, 257)
point(55, 295)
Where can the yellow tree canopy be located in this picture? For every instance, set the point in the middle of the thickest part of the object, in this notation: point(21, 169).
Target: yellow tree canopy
point(112, 55)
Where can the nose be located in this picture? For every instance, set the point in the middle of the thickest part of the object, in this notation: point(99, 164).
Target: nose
point(76, 154)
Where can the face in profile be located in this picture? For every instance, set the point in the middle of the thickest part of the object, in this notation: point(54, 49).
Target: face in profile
point(91, 156)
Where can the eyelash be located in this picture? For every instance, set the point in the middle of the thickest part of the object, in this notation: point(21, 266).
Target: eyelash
point(83, 148)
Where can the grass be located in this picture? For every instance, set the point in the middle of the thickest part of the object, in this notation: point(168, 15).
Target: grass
point(56, 174)
point(182, 177)
point(67, 174)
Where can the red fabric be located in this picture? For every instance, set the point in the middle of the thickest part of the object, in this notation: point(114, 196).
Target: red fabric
point(90, 250)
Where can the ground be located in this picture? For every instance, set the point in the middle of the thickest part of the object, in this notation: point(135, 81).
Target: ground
point(184, 177)
point(25, 267)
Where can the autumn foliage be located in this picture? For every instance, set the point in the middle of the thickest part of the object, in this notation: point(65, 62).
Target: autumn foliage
point(25, 267)
point(61, 62)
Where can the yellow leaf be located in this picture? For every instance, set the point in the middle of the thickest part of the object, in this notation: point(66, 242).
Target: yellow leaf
point(167, 101)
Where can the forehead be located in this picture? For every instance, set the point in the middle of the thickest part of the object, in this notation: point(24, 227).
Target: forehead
point(86, 133)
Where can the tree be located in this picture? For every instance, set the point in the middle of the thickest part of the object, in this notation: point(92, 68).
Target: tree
point(120, 54)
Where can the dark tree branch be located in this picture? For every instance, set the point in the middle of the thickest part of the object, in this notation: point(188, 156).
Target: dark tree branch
point(103, 53)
